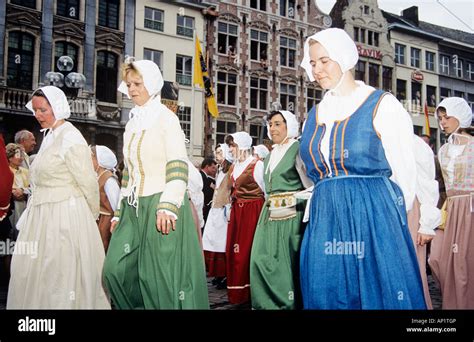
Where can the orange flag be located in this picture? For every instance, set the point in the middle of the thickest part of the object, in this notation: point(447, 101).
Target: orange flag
point(427, 121)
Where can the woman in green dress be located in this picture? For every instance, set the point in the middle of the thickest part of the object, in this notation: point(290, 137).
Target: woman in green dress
point(154, 260)
point(274, 265)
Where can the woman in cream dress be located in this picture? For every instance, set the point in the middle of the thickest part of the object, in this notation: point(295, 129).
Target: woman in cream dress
point(59, 255)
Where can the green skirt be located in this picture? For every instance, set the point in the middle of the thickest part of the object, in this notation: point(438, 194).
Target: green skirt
point(274, 262)
point(145, 269)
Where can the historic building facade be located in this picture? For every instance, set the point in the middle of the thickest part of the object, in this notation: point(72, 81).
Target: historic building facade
point(93, 33)
point(254, 49)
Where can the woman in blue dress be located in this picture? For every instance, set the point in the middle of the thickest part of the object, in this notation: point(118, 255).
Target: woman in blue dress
point(357, 146)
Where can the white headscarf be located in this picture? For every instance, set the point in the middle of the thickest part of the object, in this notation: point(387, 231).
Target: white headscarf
point(105, 157)
point(57, 99)
point(458, 108)
point(291, 125)
point(151, 74)
point(261, 150)
point(243, 140)
point(340, 47)
point(226, 153)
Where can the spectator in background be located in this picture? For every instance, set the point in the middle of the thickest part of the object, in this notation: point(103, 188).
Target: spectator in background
point(28, 143)
point(208, 174)
point(260, 152)
point(104, 161)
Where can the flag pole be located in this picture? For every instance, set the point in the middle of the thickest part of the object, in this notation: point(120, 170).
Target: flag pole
point(193, 114)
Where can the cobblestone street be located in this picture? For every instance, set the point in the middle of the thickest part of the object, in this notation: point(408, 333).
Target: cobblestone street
point(218, 298)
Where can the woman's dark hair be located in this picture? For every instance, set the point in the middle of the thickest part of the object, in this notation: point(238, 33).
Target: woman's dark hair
point(229, 140)
point(272, 114)
point(226, 165)
point(40, 93)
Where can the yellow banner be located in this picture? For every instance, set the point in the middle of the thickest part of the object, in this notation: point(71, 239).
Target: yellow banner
point(201, 78)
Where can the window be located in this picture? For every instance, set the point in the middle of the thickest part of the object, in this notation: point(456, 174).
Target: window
point(154, 19)
point(431, 96)
point(68, 8)
point(313, 97)
point(256, 131)
point(288, 96)
point(360, 71)
point(226, 88)
point(259, 4)
point(20, 60)
point(227, 38)
point(458, 66)
point(444, 92)
point(399, 53)
point(155, 56)
point(374, 75)
point(415, 57)
point(185, 26)
point(224, 128)
point(366, 9)
point(401, 90)
point(362, 35)
point(107, 69)
point(458, 93)
point(258, 93)
point(65, 49)
point(26, 3)
point(287, 52)
point(287, 8)
point(184, 116)
point(109, 13)
point(258, 45)
point(444, 64)
point(470, 100)
point(470, 71)
point(184, 70)
point(387, 79)
point(416, 96)
point(373, 38)
point(356, 34)
point(430, 61)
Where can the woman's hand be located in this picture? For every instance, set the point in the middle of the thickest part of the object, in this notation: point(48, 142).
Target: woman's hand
point(18, 194)
point(165, 222)
point(423, 239)
point(113, 225)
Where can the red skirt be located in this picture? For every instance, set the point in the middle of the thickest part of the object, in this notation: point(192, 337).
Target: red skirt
point(215, 263)
point(243, 222)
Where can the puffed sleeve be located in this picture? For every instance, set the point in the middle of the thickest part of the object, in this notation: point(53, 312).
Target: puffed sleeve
point(78, 160)
point(258, 175)
point(395, 128)
point(176, 167)
point(426, 188)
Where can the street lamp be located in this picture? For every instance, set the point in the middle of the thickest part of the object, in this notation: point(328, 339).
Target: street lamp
point(69, 82)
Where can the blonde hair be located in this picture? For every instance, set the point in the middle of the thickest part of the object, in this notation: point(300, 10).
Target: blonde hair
point(129, 67)
point(311, 42)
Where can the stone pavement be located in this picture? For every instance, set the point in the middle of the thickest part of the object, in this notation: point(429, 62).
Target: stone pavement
point(218, 298)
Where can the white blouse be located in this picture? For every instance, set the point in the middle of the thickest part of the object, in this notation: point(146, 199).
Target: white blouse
point(392, 122)
point(427, 191)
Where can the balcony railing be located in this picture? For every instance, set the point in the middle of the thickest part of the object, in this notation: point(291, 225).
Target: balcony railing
point(16, 99)
point(185, 80)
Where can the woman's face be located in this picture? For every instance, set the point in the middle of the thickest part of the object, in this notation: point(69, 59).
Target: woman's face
point(219, 155)
point(448, 123)
point(43, 112)
point(278, 130)
point(136, 89)
point(17, 159)
point(234, 150)
point(325, 71)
